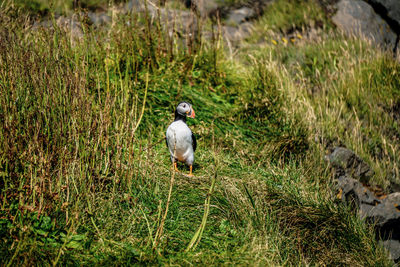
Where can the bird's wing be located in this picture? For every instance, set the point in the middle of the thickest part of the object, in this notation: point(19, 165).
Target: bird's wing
point(194, 142)
point(166, 137)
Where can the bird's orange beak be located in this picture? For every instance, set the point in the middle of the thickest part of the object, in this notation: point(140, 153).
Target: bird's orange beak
point(191, 114)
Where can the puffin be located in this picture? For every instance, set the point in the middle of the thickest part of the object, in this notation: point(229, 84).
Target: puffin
point(180, 140)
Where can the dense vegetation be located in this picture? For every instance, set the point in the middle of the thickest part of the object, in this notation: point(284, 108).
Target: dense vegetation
point(86, 177)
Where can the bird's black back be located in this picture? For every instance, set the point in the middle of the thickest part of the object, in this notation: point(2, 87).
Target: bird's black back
point(194, 142)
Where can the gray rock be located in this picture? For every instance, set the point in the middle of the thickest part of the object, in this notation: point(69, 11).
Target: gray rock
point(386, 217)
point(393, 246)
point(352, 191)
point(387, 213)
point(384, 214)
point(183, 22)
point(99, 18)
point(70, 25)
point(236, 34)
point(139, 6)
point(357, 18)
point(346, 162)
point(390, 7)
point(240, 15)
point(203, 7)
point(394, 185)
point(135, 6)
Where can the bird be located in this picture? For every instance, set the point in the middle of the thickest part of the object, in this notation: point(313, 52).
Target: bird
point(180, 140)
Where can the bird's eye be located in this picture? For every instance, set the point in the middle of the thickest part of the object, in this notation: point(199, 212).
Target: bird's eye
point(184, 106)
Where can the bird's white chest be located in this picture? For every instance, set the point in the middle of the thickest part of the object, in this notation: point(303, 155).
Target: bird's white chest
point(179, 138)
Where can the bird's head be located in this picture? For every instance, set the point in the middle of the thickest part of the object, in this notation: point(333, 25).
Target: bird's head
point(185, 109)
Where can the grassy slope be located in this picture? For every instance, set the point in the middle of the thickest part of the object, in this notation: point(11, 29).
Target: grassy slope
point(85, 181)
point(345, 90)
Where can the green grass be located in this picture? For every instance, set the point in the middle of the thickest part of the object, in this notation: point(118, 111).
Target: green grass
point(282, 19)
point(85, 175)
point(60, 7)
point(346, 92)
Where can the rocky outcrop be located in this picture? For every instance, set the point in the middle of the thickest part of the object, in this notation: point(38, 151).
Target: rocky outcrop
point(386, 217)
point(353, 192)
point(236, 24)
point(204, 8)
point(347, 163)
point(240, 15)
point(383, 211)
point(99, 18)
point(356, 17)
point(389, 9)
point(375, 20)
point(394, 247)
point(182, 21)
point(70, 25)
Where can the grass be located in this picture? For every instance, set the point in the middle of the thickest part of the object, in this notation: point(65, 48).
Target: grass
point(85, 174)
point(345, 90)
point(42, 7)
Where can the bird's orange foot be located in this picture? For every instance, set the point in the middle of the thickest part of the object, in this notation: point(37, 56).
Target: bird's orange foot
point(175, 168)
point(190, 173)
